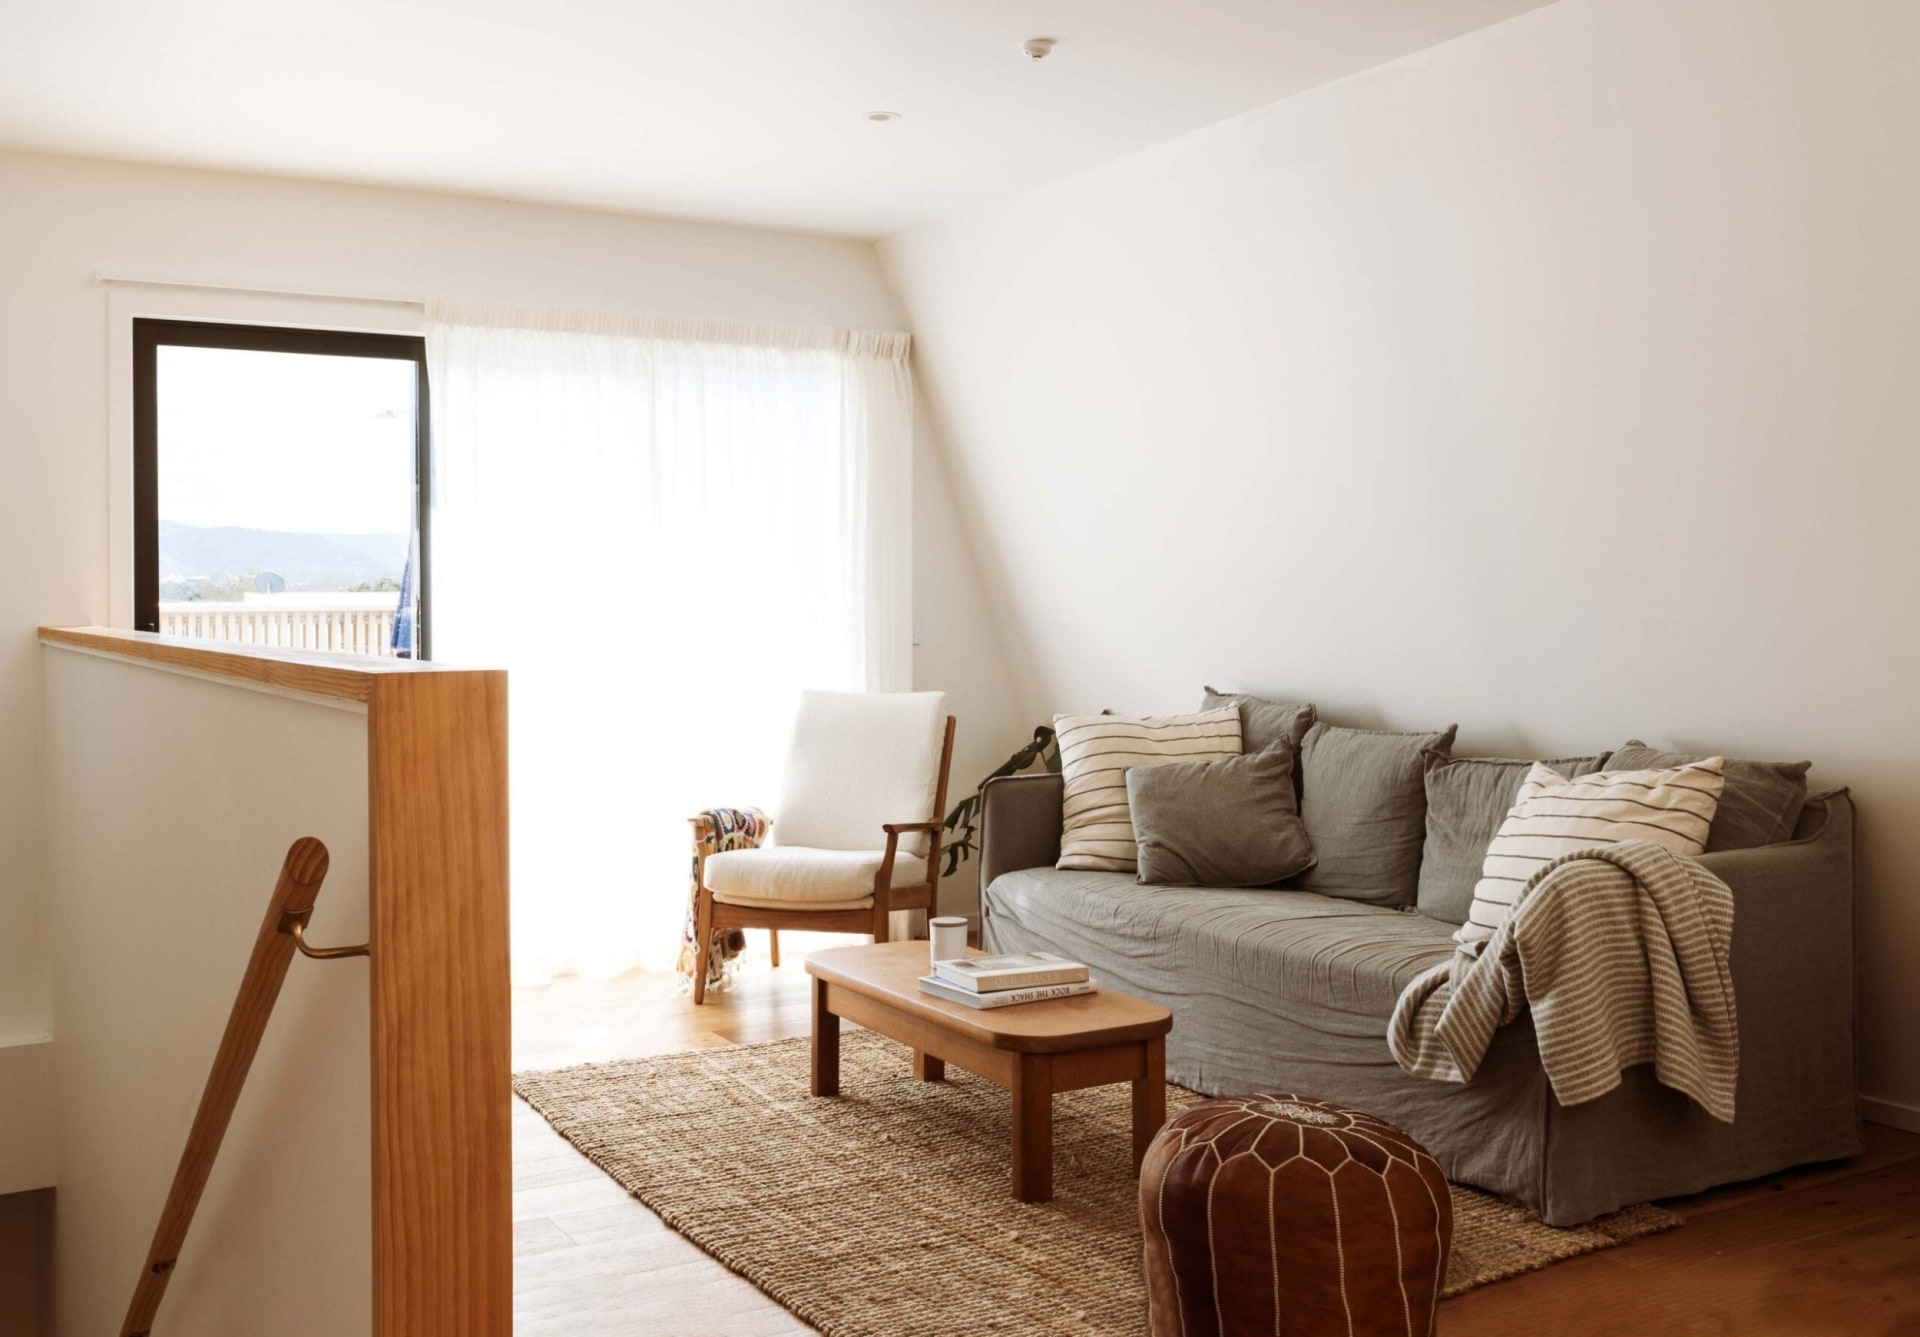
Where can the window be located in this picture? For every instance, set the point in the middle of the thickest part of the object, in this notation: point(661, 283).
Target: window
point(280, 486)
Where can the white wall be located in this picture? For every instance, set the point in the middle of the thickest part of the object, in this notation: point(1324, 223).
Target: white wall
point(1561, 381)
point(957, 647)
point(62, 221)
point(171, 800)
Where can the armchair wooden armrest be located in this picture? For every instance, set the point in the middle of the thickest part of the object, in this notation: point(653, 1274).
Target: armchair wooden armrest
point(883, 884)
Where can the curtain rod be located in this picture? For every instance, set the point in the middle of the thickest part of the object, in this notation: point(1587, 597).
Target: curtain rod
point(889, 343)
point(264, 289)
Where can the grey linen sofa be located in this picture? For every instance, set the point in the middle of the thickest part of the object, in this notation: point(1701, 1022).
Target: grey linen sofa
point(1289, 991)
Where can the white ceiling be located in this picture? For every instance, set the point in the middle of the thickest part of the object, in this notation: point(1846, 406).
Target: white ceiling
point(750, 111)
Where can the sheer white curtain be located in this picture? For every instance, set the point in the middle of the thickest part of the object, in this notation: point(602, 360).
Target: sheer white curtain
point(664, 529)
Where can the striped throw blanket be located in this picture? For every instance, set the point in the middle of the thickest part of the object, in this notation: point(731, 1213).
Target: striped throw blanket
point(1622, 952)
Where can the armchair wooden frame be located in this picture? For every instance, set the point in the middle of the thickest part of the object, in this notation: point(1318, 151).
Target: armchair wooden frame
point(712, 916)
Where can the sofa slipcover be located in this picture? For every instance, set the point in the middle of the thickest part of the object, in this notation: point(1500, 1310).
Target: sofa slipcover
point(1288, 991)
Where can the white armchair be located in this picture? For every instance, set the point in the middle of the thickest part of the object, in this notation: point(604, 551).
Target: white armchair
point(856, 835)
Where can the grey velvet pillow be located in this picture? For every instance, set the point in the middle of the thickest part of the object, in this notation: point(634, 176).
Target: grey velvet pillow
point(1364, 802)
point(1467, 799)
point(1760, 804)
point(1264, 723)
point(1228, 823)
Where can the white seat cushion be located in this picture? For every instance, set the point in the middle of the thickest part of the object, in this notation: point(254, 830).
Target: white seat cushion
point(801, 878)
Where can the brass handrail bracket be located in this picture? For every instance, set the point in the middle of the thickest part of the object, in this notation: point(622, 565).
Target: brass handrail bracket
point(295, 922)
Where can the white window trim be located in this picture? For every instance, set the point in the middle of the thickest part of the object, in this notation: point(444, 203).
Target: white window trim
point(128, 300)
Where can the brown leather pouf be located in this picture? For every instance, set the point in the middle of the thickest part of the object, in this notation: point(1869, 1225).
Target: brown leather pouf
point(1286, 1215)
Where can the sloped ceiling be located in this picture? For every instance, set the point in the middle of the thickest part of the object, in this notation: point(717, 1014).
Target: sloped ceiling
point(750, 111)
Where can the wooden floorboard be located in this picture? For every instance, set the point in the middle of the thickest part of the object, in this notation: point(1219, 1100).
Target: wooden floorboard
point(589, 1260)
point(1828, 1250)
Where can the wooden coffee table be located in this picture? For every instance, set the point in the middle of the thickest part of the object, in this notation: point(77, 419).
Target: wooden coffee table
point(1032, 1049)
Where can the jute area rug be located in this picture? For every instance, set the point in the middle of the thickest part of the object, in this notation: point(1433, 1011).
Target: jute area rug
point(885, 1211)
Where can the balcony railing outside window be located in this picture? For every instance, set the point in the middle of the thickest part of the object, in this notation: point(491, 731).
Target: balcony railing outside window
point(349, 623)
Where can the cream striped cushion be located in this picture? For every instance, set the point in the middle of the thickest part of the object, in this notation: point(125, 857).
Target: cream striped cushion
point(1095, 754)
point(1555, 816)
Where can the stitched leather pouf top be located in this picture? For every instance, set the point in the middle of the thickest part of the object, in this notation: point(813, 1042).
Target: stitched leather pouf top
point(1287, 1215)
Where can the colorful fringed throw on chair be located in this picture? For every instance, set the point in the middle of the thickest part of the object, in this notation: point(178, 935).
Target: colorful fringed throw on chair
point(715, 830)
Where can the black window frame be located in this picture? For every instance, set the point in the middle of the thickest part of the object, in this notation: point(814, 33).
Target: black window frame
point(150, 335)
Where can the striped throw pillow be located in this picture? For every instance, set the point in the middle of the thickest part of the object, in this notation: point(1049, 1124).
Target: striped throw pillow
point(1554, 815)
point(1096, 752)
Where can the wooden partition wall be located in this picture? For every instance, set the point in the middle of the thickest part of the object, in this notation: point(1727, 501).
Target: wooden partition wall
point(139, 725)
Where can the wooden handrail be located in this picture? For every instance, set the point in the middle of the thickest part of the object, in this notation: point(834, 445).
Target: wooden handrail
point(300, 877)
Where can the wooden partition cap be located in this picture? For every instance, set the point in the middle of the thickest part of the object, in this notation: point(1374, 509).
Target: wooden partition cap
point(316, 672)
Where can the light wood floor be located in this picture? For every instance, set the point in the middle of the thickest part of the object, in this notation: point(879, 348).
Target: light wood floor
point(1830, 1250)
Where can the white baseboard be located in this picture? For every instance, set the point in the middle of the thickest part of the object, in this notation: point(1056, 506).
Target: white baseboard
point(1892, 1113)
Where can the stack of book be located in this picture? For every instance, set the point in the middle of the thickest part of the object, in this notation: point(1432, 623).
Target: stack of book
point(1001, 981)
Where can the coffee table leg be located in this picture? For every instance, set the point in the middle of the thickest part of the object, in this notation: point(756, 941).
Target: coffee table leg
point(1033, 1129)
point(1149, 1098)
point(927, 1068)
point(826, 1044)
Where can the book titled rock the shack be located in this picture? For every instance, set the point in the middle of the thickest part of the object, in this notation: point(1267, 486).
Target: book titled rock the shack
point(1001, 981)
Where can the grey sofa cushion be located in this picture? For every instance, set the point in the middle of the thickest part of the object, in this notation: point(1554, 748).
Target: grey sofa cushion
point(1231, 823)
point(1467, 798)
point(1264, 723)
point(1759, 806)
point(1364, 801)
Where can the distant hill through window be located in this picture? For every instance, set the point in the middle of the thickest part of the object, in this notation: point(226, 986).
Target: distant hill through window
point(218, 561)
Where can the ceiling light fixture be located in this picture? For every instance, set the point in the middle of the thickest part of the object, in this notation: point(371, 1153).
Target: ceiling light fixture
point(883, 116)
point(1037, 48)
